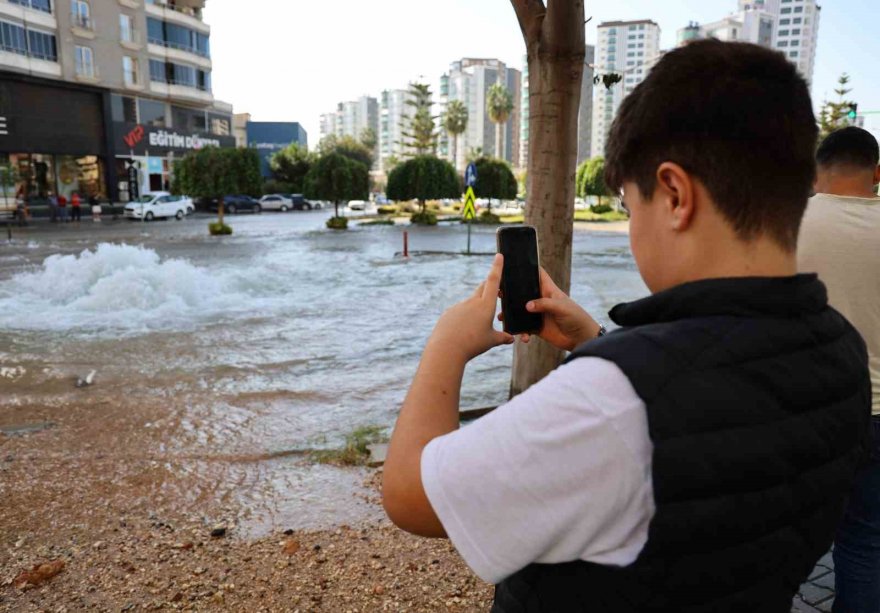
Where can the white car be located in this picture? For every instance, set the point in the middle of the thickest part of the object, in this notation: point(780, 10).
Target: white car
point(276, 202)
point(357, 205)
point(158, 205)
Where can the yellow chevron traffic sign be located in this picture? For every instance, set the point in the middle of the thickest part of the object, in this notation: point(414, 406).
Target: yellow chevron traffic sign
point(470, 210)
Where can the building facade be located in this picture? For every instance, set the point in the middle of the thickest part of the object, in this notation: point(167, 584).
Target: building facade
point(351, 118)
point(394, 112)
point(270, 137)
point(91, 87)
point(789, 26)
point(628, 48)
point(469, 80)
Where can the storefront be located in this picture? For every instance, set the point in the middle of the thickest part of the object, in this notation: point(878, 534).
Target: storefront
point(54, 140)
point(155, 150)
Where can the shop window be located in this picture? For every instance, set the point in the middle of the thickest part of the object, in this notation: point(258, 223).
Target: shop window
point(219, 124)
point(130, 70)
point(123, 108)
point(12, 38)
point(152, 112)
point(85, 62)
point(42, 46)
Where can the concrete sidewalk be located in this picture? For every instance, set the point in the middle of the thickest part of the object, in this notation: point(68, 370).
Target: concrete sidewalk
point(817, 594)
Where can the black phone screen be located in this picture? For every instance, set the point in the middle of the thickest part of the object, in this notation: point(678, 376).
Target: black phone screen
point(520, 281)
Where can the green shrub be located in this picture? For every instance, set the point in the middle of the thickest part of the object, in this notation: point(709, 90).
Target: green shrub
point(601, 209)
point(215, 228)
point(425, 219)
point(337, 223)
point(387, 210)
point(488, 218)
point(377, 222)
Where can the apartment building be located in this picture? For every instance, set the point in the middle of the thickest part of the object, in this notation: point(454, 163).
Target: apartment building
point(351, 118)
point(789, 26)
point(628, 48)
point(89, 88)
point(469, 80)
point(394, 112)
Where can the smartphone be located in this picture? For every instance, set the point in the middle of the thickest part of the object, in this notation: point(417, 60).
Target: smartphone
point(520, 280)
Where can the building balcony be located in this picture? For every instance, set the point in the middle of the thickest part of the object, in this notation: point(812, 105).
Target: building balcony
point(132, 4)
point(182, 91)
point(184, 12)
point(82, 26)
point(23, 11)
point(15, 60)
point(181, 54)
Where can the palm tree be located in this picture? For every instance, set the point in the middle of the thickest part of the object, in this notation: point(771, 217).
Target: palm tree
point(499, 105)
point(455, 122)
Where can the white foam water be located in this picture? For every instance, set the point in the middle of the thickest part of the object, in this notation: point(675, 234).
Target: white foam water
point(119, 288)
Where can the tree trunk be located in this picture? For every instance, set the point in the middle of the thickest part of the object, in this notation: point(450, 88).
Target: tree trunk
point(336, 208)
point(455, 152)
point(220, 210)
point(555, 49)
point(499, 144)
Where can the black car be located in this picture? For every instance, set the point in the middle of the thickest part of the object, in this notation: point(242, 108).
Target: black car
point(237, 203)
point(299, 203)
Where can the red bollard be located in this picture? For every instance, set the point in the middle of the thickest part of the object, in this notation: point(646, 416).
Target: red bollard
point(405, 244)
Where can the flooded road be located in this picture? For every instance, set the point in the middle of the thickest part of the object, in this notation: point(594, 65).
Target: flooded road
point(219, 360)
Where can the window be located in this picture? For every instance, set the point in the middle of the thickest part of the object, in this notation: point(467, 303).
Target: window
point(204, 81)
point(42, 46)
point(85, 64)
point(785, 22)
point(783, 43)
point(130, 70)
point(157, 71)
point(785, 11)
point(81, 14)
point(126, 29)
point(795, 43)
point(123, 108)
point(183, 75)
point(152, 112)
point(783, 32)
point(12, 38)
point(40, 5)
point(796, 32)
point(792, 54)
point(155, 32)
point(797, 20)
point(798, 9)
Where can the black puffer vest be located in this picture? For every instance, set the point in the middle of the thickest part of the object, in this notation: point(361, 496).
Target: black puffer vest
point(758, 403)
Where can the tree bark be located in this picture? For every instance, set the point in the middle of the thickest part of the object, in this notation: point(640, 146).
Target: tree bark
point(499, 144)
point(555, 45)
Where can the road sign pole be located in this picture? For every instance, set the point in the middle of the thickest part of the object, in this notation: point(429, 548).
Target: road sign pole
point(469, 238)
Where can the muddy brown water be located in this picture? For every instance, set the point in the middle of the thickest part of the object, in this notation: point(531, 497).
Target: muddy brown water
point(218, 361)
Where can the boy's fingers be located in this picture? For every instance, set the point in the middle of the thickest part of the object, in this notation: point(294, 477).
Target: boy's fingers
point(478, 293)
point(545, 305)
point(503, 338)
point(525, 338)
point(548, 287)
point(493, 281)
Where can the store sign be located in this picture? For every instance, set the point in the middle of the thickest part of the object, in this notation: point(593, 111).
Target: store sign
point(4, 131)
point(158, 141)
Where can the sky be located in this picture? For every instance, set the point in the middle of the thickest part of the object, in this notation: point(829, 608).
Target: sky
point(292, 60)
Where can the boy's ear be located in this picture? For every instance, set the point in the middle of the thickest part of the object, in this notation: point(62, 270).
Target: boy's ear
point(675, 188)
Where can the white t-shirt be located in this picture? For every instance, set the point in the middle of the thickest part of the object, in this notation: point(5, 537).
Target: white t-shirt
point(560, 473)
point(840, 240)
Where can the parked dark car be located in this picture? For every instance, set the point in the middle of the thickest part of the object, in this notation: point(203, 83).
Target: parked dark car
point(300, 203)
point(236, 203)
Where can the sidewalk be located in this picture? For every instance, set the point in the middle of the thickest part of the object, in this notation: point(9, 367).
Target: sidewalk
point(817, 594)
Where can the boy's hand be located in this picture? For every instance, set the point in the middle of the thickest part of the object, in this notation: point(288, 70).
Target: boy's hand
point(566, 325)
point(466, 328)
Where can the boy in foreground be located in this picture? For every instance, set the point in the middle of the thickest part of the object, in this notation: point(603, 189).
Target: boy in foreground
point(699, 458)
point(840, 240)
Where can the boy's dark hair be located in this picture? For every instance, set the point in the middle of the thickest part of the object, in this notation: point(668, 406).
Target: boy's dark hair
point(851, 147)
point(736, 116)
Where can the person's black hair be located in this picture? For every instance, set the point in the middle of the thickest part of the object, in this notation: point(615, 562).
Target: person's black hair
point(737, 117)
point(852, 147)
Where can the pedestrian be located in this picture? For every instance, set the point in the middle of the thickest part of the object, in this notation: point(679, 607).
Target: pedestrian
point(95, 207)
point(699, 457)
point(53, 207)
point(62, 207)
point(840, 240)
point(75, 207)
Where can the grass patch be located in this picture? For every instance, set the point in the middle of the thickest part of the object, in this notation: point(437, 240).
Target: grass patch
point(355, 452)
point(215, 228)
point(600, 217)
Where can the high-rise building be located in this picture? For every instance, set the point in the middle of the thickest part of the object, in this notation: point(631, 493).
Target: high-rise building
point(351, 118)
point(585, 110)
point(628, 48)
point(393, 113)
point(469, 80)
point(90, 89)
point(790, 26)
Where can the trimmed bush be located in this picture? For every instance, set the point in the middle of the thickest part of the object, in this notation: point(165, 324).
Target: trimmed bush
point(338, 223)
point(424, 219)
point(215, 228)
point(488, 218)
point(601, 209)
point(386, 210)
